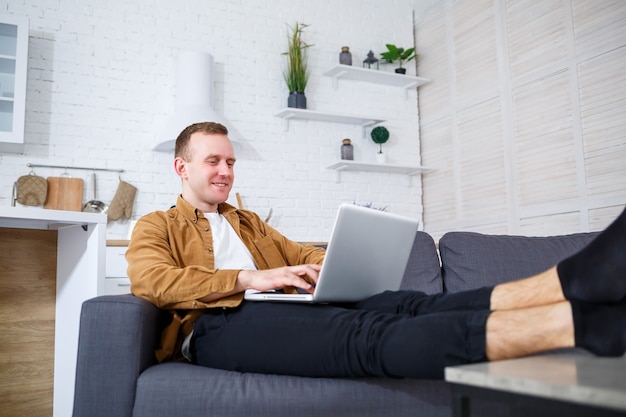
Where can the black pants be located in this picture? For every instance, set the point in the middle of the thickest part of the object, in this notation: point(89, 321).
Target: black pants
point(394, 334)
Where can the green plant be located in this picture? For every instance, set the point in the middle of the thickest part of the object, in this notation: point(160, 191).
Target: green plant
point(380, 135)
point(297, 73)
point(394, 53)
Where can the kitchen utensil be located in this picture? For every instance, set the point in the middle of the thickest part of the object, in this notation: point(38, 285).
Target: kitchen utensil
point(14, 195)
point(123, 200)
point(95, 206)
point(31, 190)
point(64, 193)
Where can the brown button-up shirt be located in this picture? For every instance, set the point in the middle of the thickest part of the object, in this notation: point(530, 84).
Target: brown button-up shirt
point(171, 263)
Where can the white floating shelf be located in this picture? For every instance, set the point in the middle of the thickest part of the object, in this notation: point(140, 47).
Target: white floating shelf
point(293, 113)
point(349, 72)
point(347, 165)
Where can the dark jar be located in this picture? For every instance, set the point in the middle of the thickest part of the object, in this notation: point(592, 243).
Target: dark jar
point(345, 57)
point(347, 151)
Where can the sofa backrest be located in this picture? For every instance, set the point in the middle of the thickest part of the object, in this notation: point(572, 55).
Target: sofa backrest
point(473, 260)
point(423, 271)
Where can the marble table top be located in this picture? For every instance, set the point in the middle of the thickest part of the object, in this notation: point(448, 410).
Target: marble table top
point(576, 377)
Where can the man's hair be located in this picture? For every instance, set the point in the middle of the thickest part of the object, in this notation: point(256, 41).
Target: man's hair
point(182, 142)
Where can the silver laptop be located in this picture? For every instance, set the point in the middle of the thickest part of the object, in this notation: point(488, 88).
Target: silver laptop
point(367, 253)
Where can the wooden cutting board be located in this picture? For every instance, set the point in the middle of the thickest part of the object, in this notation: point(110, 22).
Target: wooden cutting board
point(64, 193)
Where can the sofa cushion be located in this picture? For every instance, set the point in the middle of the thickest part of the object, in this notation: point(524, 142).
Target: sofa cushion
point(184, 390)
point(472, 260)
point(423, 271)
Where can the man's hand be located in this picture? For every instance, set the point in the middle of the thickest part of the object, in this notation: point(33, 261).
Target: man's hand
point(299, 276)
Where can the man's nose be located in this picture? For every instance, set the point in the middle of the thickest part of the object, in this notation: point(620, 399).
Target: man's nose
point(224, 168)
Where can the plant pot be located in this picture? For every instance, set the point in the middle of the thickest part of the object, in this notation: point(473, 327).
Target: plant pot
point(400, 70)
point(296, 100)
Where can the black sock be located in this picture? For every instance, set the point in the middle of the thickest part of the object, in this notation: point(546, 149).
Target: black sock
point(600, 328)
point(598, 272)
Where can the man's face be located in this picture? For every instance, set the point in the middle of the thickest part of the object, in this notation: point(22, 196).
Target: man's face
point(208, 176)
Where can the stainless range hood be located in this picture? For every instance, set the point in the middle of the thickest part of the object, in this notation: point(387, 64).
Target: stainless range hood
point(194, 99)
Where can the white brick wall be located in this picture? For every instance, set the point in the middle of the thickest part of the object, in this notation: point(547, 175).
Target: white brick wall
point(100, 86)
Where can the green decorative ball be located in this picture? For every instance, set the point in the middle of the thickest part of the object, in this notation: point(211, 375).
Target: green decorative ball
point(380, 135)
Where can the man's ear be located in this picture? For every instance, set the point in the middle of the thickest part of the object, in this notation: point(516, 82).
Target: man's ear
point(180, 166)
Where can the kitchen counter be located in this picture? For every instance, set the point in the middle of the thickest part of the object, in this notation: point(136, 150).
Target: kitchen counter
point(45, 219)
point(79, 275)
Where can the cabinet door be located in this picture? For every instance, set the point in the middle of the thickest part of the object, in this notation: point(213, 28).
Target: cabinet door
point(116, 281)
point(115, 286)
point(116, 264)
point(13, 68)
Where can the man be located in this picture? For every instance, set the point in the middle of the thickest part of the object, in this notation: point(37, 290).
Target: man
point(198, 258)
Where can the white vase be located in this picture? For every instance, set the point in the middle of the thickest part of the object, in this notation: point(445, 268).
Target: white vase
point(381, 158)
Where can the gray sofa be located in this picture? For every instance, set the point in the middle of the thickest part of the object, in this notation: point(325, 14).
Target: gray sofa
point(117, 375)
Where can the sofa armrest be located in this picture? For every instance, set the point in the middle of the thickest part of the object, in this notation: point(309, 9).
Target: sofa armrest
point(117, 339)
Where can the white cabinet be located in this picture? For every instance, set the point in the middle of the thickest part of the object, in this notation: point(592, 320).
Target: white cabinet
point(13, 67)
point(116, 279)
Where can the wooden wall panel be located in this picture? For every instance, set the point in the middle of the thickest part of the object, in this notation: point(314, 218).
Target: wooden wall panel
point(545, 85)
point(536, 37)
point(475, 64)
point(437, 95)
point(439, 183)
point(603, 124)
point(545, 149)
point(27, 306)
point(598, 26)
point(481, 163)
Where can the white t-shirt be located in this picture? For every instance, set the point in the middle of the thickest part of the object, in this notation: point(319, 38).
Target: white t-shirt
point(228, 248)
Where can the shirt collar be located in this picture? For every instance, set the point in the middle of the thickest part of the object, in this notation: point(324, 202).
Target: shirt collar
point(192, 213)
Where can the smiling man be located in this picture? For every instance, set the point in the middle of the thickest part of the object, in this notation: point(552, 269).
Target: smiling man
point(197, 259)
point(204, 162)
point(204, 253)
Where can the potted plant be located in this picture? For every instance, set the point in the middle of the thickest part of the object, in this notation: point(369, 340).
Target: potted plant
point(297, 73)
point(380, 135)
point(394, 53)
